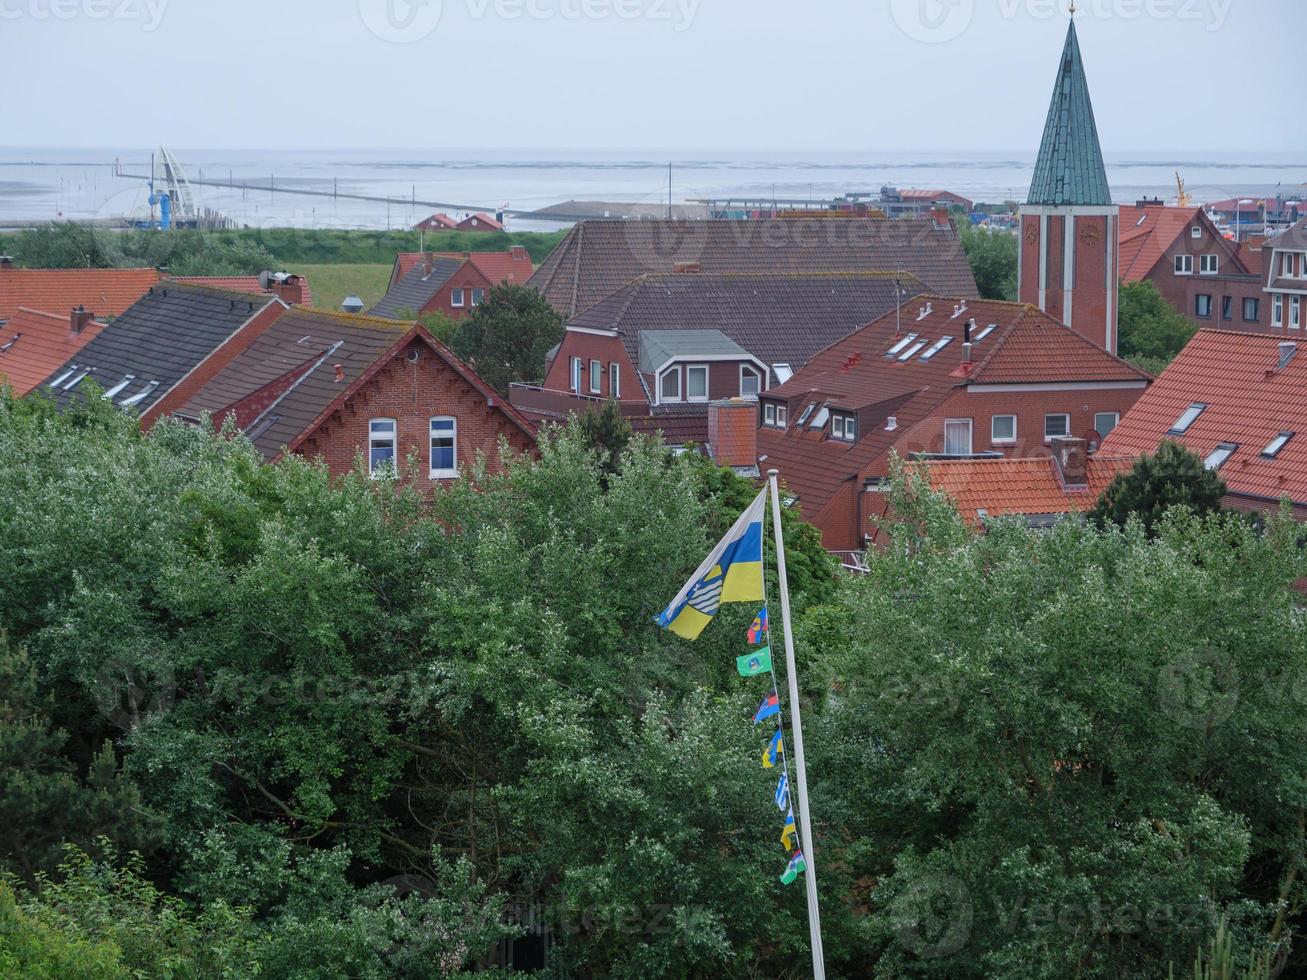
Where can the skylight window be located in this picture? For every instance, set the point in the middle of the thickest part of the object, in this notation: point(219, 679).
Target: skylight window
point(912, 351)
point(939, 346)
point(984, 333)
point(117, 389)
point(782, 373)
point(902, 343)
point(821, 418)
point(76, 380)
point(806, 412)
point(64, 377)
point(1219, 455)
point(1187, 418)
point(140, 396)
point(1278, 443)
point(4, 347)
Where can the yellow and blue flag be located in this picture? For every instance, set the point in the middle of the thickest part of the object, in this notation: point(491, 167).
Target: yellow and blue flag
point(771, 754)
point(732, 572)
point(788, 832)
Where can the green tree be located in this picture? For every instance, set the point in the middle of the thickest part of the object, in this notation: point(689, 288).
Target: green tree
point(1149, 327)
point(993, 258)
point(1174, 477)
point(507, 337)
point(608, 433)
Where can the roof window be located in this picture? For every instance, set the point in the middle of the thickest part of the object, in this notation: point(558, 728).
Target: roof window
point(117, 389)
point(76, 380)
point(1278, 443)
point(9, 343)
point(908, 354)
point(782, 373)
point(140, 396)
point(984, 333)
point(901, 344)
point(64, 377)
point(1187, 418)
point(1220, 455)
point(821, 418)
point(806, 412)
point(938, 346)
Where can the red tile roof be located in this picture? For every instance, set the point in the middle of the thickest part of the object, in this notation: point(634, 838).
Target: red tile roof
point(243, 284)
point(1146, 235)
point(512, 266)
point(105, 292)
point(481, 221)
point(34, 345)
point(733, 432)
point(1026, 346)
point(1249, 402)
point(436, 221)
point(1031, 486)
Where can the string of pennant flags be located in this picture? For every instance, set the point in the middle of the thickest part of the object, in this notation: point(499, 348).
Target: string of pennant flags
point(733, 572)
point(753, 665)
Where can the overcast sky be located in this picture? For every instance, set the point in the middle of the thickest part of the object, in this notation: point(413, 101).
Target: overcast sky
point(789, 75)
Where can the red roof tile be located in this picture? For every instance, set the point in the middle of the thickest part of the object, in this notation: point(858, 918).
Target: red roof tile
point(34, 345)
point(1249, 402)
point(512, 266)
point(105, 292)
point(1031, 486)
point(1146, 235)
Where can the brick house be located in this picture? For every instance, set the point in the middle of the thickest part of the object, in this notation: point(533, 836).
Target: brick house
point(339, 387)
point(33, 344)
point(449, 283)
point(943, 378)
point(165, 347)
point(1285, 258)
point(1238, 400)
point(1201, 274)
point(106, 291)
point(436, 222)
point(597, 258)
point(666, 346)
point(481, 222)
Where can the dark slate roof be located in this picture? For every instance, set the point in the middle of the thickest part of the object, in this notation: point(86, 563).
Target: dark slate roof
point(1070, 168)
point(293, 365)
point(597, 258)
point(779, 319)
point(161, 338)
point(416, 288)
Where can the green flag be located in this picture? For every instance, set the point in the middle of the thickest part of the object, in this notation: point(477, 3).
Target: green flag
point(795, 868)
point(753, 664)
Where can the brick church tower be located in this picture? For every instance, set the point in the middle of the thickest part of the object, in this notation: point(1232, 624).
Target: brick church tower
point(1069, 226)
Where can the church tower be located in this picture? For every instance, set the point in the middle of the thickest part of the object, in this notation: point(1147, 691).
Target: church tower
point(1069, 226)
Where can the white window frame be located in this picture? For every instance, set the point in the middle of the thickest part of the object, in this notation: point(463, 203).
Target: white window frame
point(971, 444)
point(374, 438)
point(447, 472)
point(782, 416)
point(118, 389)
point(837, 427)
point(1277, 310)
point(596, 376)
point(1116, 420)
point(847, 428)
point(690, 369)
point(750, 369)
point(1288, 265)
point(1058, 435)
point(769, 414)
point(1187, 419)
point(1196, 231)
point(1184, 265)
point(614, 380)
point(1198, 306)
point(663, 397)
point(998, 440)
point(1276, 445)
point(1257, 309)
point(575, 375)
point(1219, 456)
point(1295, 312)
point(1211, 260)
point(478, 295)
point(456, 298)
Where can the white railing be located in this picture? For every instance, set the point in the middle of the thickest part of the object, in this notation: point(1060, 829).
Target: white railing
point(854, 562)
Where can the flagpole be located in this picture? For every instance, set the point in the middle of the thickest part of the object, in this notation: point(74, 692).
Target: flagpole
point(805, 824)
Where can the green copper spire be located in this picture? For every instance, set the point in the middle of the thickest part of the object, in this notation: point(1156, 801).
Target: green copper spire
point(1070, 168)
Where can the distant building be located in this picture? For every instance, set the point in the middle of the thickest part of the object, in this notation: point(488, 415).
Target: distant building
point(34, 344)
point(453, 283)
point(941, 378)
point(918, 203)
point(340, 387)
point(436, 222)
point(106, 291)
point(481, 222)
point(1285, 260)
point(666, 346)
point(1260, 215)
point(164, 348)
point(1203, 275)
point(1239, 401)
point(597, 258)
point(1069, 226)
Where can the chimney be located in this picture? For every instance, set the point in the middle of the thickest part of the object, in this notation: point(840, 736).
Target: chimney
point(939, 216)
point(352, 304)
point(6, 261)
point(1149, 202)
point(967, 330)
point(733, 432)
point(290, 289)
point(966, 352)
point(340, 373)
point(688, 268)
point(1071, 457)
point(518, 252)
point(79, 318)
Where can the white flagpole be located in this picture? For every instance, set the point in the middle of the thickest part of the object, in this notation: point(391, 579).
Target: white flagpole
point(791, 677)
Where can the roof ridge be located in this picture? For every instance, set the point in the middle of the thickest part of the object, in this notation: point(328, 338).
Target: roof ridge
point(164, 285)
point(358, 319)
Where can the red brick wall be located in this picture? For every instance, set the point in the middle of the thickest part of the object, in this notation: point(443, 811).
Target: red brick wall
point(207, 369)
point(1056, 248)
point(590, 347)
point(413, 394)
point(1030, 246)
point(1095, 237)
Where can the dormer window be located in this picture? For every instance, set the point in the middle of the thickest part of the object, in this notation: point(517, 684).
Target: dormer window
point(844, 427)
point(750, 381)
point(1187, 418)
point(669, 385)
point(696, 383)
